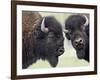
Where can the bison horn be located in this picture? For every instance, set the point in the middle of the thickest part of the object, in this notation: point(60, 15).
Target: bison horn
point(87, 22)
point(63, 28)
point(66, 31)
point(43, 28)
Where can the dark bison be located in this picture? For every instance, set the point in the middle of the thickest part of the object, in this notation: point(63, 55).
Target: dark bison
point(42, 39)
point(77, 30)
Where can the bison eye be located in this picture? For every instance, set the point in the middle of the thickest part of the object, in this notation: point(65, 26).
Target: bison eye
point(51, 35)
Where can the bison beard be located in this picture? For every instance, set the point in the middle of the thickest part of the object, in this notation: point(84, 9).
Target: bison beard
point(37, 44)
point(77, 30)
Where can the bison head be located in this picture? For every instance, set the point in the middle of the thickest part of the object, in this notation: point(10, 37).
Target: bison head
point(49, 40)
point(75, 31)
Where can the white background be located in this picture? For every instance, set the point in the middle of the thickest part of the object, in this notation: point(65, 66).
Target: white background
point(5, 40)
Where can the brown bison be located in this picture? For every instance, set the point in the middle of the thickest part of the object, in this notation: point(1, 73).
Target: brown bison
point(42, 39)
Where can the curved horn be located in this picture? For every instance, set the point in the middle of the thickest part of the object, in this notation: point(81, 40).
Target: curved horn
point(43, 28)
point(87, 22)
point(63, 28)
point(66, 31)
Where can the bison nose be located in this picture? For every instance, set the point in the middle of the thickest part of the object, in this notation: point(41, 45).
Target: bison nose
point(60, 51)
point(79, 42)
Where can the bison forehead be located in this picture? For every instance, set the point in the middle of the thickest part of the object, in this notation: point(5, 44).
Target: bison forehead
point(75, 21)
point(53, 25)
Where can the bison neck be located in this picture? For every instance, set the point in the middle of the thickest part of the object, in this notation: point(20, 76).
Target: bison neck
point(39, 49)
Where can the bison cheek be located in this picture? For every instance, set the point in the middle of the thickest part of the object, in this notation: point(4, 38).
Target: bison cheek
point(53, 61)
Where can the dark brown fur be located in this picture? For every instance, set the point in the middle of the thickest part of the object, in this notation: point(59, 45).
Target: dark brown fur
point(38, 44)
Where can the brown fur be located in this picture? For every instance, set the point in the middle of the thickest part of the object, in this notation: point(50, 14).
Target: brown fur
point(30, 21)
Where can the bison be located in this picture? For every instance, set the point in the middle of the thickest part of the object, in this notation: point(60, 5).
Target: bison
point(77, 30)
point(42, 39)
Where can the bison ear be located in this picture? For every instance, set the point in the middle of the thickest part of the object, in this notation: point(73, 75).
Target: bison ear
point(67, 35)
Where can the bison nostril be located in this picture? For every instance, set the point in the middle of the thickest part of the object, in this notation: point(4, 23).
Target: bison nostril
point(81, 41)
point(60, 51)
point(76, 42)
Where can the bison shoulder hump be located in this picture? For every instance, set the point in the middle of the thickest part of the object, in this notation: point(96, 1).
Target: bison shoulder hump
point(30, 20)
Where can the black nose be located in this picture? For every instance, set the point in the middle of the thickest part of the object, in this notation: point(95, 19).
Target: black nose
point(78, 42)
point(60, 51)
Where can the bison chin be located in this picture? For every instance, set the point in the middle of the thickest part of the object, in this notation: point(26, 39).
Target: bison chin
point(53, 61)
point(80, 54)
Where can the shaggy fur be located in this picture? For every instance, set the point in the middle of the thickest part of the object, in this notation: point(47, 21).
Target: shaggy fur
point(40, 45)
point(74, 24)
